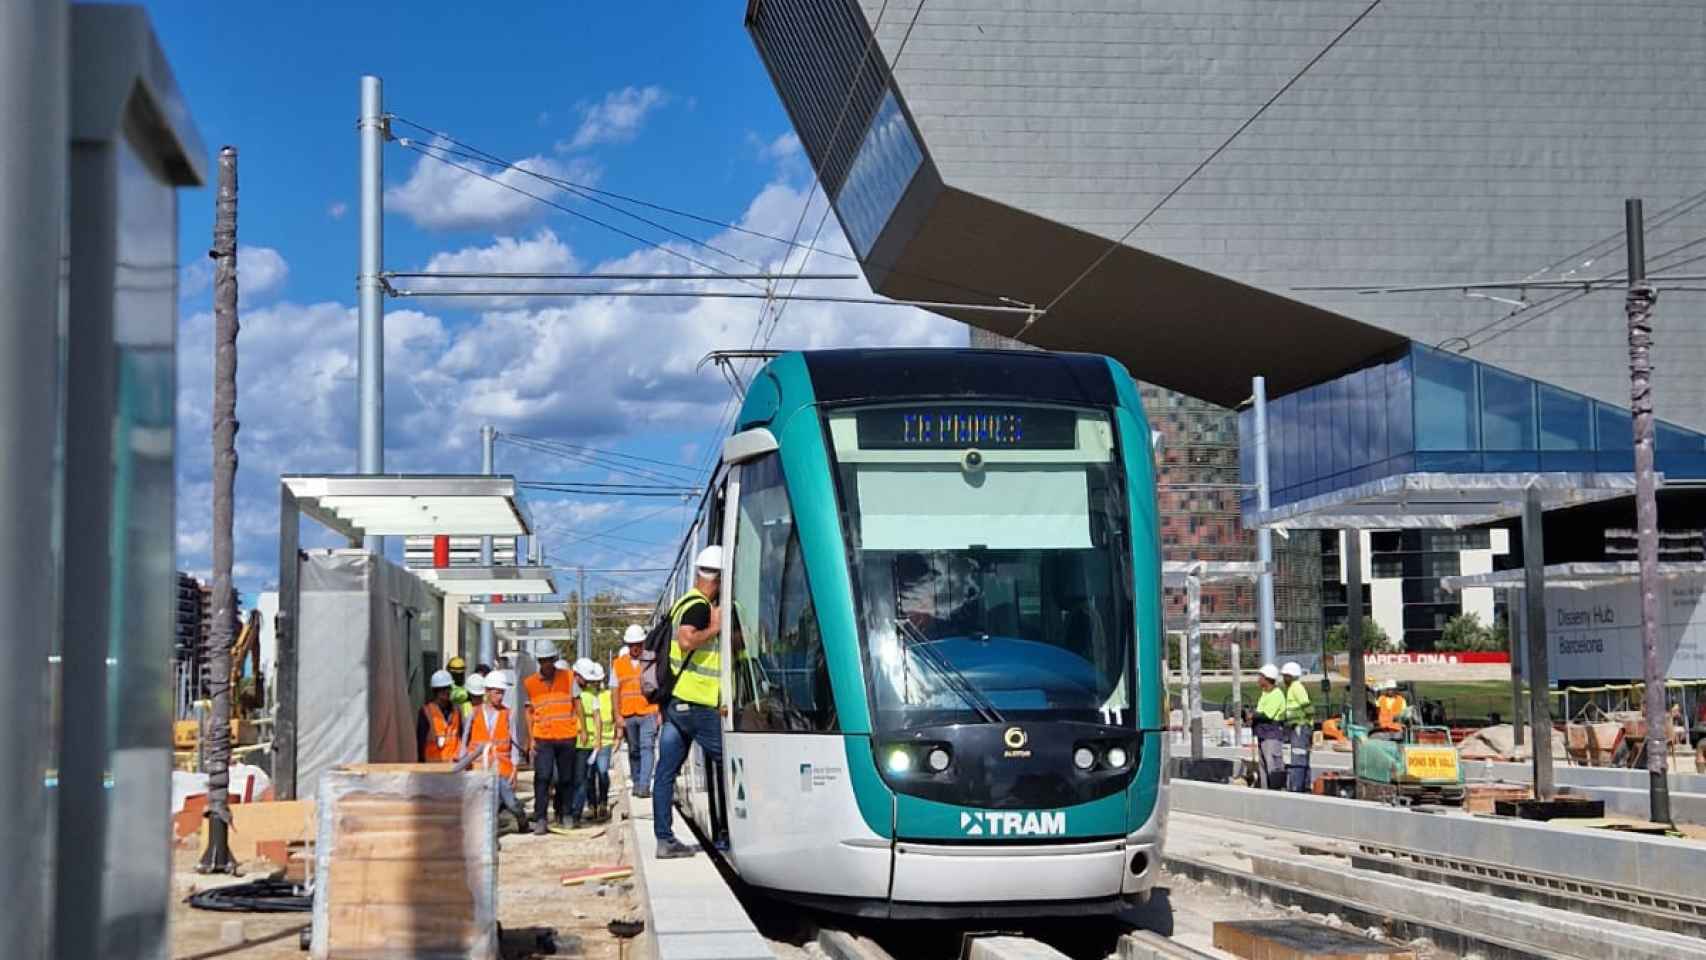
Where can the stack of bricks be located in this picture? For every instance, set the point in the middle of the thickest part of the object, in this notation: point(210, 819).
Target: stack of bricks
point(406, 862)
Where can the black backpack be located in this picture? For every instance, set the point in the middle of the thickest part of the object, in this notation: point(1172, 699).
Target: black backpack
point(657, 680)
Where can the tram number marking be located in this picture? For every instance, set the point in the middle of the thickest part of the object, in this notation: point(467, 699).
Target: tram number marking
point(992, 823)
point(1431, 763)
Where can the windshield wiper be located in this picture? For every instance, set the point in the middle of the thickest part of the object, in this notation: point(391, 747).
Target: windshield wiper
point(917, 641)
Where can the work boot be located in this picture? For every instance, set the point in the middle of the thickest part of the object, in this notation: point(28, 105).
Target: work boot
point(674, 850)
point(540, 829)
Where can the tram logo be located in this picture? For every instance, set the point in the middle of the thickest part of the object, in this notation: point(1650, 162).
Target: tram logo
point(1015, 738)
point(992, 823)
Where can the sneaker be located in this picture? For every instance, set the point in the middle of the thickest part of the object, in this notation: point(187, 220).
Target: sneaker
point(643, 794)
point(674, 850)
point(540, 829)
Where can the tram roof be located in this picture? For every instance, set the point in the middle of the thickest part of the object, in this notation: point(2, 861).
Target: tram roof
point(1072, 378)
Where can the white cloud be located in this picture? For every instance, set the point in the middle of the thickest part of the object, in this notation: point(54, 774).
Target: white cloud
point(611, 372)
point(337, 210)
point(260, 271)
point(784, 148)
point(438, 196)
point(615, 119)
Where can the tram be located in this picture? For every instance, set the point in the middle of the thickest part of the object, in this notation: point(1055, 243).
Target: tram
point(942, 680)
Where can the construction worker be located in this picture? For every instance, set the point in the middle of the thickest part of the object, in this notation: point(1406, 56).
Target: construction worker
point(1270, 728)
point(690, 714)
point(598, 735)
point(1390, 709)
point(458, 670)
point(639, 718)
point(1300, 721)
point(553, 721)
point(488, 743)
point(438, 728)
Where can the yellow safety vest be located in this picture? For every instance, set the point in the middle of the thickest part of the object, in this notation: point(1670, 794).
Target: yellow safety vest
point(698, 680)
point(605, 707)
point(1298, 709)
point(1271, 706)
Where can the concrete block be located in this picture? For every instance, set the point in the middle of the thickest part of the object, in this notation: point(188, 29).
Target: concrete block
point(1012, 948)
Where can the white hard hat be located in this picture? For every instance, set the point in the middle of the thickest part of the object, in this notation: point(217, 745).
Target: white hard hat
point(584, 667)
point(441, 678)
point(1291, 669)
point(634, 634)
point(1389, 685)
point(560, 663)
point(594, 673)
point(498, 680)
point(1270, 671)
point(476, 685)
point(710, 559)
point(543, 649)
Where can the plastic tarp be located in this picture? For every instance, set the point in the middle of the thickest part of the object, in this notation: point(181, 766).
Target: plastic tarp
point(365, 625)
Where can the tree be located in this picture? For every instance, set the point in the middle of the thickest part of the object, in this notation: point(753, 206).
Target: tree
point(609, 613)
point(1465, 632)
point(1374, 639)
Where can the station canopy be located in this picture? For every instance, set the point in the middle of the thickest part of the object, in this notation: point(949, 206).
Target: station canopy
point(1427, 438)
point(1574, 576)
point(513, 612)
point(487, 581)
point(356, 505)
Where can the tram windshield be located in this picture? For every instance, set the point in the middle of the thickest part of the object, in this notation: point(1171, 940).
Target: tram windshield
point(991, 559)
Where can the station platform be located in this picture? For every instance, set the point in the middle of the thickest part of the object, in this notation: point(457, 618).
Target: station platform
point(691, 913)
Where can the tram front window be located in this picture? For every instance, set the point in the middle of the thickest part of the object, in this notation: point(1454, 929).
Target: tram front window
point(992, 563)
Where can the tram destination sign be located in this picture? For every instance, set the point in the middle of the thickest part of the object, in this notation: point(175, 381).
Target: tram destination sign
point(963, 426)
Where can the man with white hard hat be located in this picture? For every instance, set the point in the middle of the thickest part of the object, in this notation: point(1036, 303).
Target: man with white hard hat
point(598, 736)
point(1270, 729)
point(488, 743)
point(690, 712)
point(1300, 721)
point(553, 722)
point(438, 727)
point(637, 725)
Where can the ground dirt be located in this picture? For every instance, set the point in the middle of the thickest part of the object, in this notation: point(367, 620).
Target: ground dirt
point(531, 900)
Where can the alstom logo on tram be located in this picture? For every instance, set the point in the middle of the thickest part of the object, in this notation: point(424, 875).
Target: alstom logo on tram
point(994, 823)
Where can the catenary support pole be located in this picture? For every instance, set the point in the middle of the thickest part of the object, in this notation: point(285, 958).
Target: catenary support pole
point(370, 291)
point(1519, 708)
point(1638, 306)
point(583, 622)
point(1353, 627)
point(1237, 658)
point(488, 464)
point(217, 857)
point(1193, 657)
point(1264, 536)
point(1534, 637)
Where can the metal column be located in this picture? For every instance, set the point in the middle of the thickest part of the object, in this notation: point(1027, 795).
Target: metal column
point(1353, 626)
point(1264, 536)
point(1534, 627)
point(35, 76)
point(488, 438)
point(583, 625)
point(1193, 657)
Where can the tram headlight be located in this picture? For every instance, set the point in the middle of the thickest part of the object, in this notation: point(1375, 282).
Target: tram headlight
point(1084, 758)
point(899, 760)
point(1116, 757)
point(939, 759)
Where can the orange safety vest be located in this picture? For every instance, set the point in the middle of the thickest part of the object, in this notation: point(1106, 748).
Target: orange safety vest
point(501, 756)
point(1390, 707)
point(553, 712)
point(630, 701)
point(444, 740)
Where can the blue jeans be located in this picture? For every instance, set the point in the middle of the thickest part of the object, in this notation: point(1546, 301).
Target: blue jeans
point(641, 734)
point(1297, 759)
point(684, 725)
point(595, 776)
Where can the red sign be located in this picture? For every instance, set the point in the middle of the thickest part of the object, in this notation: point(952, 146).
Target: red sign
point(1466, 656)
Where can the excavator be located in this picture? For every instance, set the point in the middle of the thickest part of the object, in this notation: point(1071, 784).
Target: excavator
point(186, 734)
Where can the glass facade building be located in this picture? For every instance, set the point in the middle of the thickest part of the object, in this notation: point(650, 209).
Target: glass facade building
point(1424, 410)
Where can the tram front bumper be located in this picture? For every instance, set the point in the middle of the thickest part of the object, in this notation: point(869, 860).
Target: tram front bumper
point(979, 873)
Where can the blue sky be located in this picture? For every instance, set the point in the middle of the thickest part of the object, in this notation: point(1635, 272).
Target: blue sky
point(663, 101)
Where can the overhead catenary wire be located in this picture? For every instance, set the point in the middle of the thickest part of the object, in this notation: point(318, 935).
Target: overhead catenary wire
point(407, 292)
point(592, 457)
point(1204, 163)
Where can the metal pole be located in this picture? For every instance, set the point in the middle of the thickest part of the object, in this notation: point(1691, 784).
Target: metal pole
point(1534, 628)
point(1513, 640)
point(1193, 657)
point(217, 857)
point(284, 633)
point(1353, 626)
point(1638, 306)
point(583, 623)
point(1237, 693)
point(488, 456)
point(1264, 536)
point(370, 291)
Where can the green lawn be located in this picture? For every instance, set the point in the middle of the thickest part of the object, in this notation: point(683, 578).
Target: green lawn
point(1463, 701)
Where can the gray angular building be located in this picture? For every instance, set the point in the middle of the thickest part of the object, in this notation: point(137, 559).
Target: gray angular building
point(994, 148)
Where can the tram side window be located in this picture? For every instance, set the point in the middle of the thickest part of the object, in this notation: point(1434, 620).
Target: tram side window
point(781, 679)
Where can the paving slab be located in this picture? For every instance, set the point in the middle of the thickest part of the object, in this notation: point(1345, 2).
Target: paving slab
point(690, 911)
